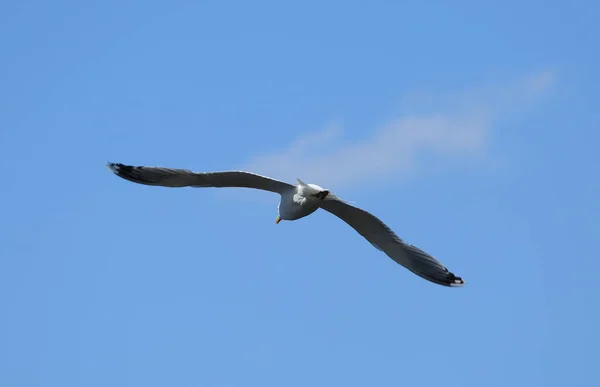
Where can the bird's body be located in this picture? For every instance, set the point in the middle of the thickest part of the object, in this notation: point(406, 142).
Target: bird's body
point(298, 201)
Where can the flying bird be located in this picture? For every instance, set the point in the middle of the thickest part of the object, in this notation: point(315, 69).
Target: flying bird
point(298, 201)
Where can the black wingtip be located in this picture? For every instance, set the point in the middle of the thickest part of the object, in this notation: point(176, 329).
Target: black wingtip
point(136, 174)
point(121, 170)
point(127, 172)
point(114, 167)
point(456, 281)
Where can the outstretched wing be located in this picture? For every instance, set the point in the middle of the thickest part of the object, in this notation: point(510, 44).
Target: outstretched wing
point(168, 177)
point(384, 239)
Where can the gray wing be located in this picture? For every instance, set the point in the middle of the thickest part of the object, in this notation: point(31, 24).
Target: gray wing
point(168, 177)
point(384, 239)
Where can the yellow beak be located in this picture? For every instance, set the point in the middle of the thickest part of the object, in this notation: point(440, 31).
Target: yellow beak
point(277, 220)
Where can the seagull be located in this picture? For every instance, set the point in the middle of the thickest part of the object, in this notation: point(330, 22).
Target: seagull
point(298, 201)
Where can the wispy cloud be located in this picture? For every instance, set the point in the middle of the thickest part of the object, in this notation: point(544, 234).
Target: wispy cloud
point(459, 127)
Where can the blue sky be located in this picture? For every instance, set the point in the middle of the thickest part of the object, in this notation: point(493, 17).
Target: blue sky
point(471, 129)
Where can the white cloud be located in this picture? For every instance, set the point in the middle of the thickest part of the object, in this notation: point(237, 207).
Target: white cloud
point(459, 128)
